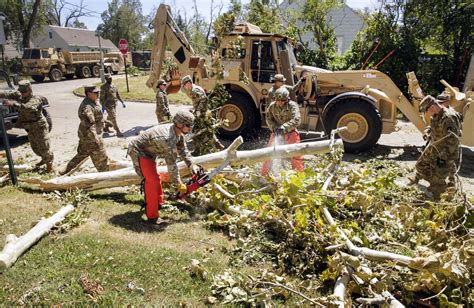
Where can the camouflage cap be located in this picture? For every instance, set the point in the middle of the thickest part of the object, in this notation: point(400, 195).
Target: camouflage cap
point(184, 117)
point(107, 76)
point(280, 77)
point(281, 94)
point(444, 96)
point(186, 79)
point(91, 88)
point(160, 82)
point(426, 102)
point(24, 86)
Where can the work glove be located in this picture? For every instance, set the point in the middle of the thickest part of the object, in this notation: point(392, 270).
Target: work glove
point(195, 169)
point(303, 79)
point(441, 163)
point(280, 131)
point(182, 188)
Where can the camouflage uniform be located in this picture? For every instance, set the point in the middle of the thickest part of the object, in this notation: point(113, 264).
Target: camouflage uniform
point(90, 137)
point(286, 118)
point(108, 98)
point(205, 142)
point(160, 142)
point(162, 109)
point(438, 160)
point(30, 117)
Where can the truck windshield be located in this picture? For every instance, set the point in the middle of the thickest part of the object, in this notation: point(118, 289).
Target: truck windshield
point(31, 54)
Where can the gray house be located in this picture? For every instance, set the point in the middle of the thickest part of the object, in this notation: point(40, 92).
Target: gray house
point(346, 22)
point(71, 39)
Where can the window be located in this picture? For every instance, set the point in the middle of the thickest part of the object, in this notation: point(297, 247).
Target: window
point(44, 54)
point(35, 54)
point(50, 35)
point(26, 54)
point(262, 64)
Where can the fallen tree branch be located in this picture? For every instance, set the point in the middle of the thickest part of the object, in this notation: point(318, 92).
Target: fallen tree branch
point(16, 246)
point(340, 287)
point(127, 176)
point(275, 284)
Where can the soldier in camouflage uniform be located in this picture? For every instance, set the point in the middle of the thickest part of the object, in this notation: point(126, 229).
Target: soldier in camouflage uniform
point(280, 82)
point(162, 141)
point(283, 118)
point(438, 160)
point(162, 109)
point(109, 95)
point(31, 118)
point(90, 133)
point(206, 142)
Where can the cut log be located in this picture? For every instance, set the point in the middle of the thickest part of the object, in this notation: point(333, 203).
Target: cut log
point(340, 288)
point(18, 168)
point(16, 246)
point(127, 176)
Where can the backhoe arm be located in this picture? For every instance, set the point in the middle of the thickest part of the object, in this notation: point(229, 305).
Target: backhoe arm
point(168, 34)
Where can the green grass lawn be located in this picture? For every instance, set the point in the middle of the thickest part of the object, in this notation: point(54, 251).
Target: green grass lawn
point(113, 247)
point(139, 91)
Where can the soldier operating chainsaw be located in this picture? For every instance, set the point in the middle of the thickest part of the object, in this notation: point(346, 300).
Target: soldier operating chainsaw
point(283, 117)
point(162, 141)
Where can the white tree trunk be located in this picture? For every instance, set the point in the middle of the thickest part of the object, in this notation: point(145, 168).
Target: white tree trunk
point(127, 176)
point(16, 246)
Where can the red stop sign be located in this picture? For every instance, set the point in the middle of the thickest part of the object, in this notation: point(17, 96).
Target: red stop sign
point(123, 46)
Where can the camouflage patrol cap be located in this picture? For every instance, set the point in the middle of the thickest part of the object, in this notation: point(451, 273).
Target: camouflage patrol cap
point(186, 79)
point(107, 76)
point(426, 102)
point(160, 82)
point(280, 77)
point(91, 88)
point(281, 94)
point(184, 117)
point(444, 96)
point(24, 86)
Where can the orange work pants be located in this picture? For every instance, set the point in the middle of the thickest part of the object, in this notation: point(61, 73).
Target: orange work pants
point(153, 190)
point(296, 162)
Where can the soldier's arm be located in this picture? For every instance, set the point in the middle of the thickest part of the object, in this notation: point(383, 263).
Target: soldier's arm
point(201, 105)
point(14, 95)
point(119, 97)
point(183, 152)
point(295, 117)
point(89, 118)
point(270, 118)
point(173, 171)
point(34, 104)
point(450, 143)
point(292, 89)
point(102, 95)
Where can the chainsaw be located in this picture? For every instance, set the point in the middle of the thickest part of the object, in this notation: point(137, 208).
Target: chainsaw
point(200, 179)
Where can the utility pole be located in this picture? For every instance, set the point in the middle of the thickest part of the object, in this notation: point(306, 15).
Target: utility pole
point(98, 33)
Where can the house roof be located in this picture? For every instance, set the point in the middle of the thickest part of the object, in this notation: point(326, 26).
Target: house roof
point(82, 37)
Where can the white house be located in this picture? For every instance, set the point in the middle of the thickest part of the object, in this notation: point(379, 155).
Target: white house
point(71, 39)
point(346, 22)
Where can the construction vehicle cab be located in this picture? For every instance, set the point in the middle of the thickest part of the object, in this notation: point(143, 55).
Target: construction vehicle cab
point(365, 101)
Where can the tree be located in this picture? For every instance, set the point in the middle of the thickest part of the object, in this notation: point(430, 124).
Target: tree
point(64, 14)
point(23, 18)
point(265, 14)
point(124, 19)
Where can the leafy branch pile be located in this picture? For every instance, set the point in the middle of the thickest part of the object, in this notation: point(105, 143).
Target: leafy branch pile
point(433, 242)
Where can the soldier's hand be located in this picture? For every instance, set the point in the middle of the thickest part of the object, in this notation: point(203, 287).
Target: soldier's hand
point(441, 163)
point(196, 169)
point(7, 102)
point(279, 131)
point(123, 105)
point(303, 79)
point(182, 188)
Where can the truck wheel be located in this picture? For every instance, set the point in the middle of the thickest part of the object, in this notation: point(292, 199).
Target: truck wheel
point(108, 70)
point(96, 71)
point(48, 118)
point(363, 122)
point(55, 74)
point(85, 72)
point(38, 78)
point(241, 116)
point(115, 72)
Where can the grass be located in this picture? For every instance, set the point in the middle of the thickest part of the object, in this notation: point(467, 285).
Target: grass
point(139, 91)
point(113, 247)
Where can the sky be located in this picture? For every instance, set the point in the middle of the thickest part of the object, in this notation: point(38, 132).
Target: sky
point(97, 7)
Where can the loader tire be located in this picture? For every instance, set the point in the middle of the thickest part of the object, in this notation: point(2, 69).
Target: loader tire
point(363, 122)
point(242, 117)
